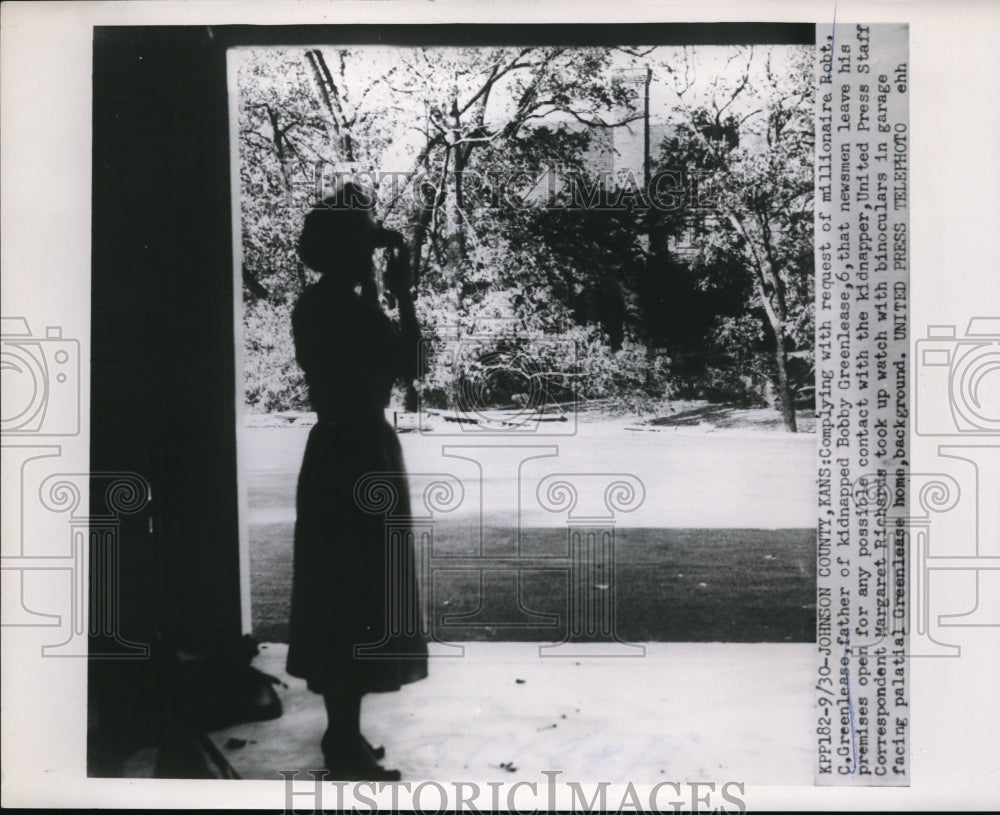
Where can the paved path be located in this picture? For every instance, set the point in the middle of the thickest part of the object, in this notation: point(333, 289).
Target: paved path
point(682, 712)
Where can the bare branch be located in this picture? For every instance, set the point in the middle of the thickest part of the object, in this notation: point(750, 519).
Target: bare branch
point(249, 132)
point(637, 52)
point(382, 80)
point(496, 74)
point(750, 115)
point(744, 81)
point(311, 58)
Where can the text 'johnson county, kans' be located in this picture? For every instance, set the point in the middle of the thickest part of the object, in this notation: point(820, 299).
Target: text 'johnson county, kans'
point(862, 384)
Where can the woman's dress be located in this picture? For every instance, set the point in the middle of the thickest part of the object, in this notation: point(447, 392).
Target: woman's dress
point(355, 626)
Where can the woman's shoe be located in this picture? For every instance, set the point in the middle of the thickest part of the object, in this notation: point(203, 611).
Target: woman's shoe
point(358, 768)
point(377, 752)
point(358, 764)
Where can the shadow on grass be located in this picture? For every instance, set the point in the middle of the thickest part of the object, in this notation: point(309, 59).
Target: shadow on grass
point(672, 585)
point(729, 417)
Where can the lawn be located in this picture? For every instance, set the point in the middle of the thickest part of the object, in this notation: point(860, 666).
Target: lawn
point(673, 585)
point(721, 550)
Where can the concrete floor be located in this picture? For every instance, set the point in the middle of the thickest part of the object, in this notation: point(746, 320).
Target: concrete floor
point(684, 711)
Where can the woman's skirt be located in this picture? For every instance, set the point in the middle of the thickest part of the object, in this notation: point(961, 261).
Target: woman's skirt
point(356, 621)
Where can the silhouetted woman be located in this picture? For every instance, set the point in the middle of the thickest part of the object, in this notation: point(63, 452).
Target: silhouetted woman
point(351, 353)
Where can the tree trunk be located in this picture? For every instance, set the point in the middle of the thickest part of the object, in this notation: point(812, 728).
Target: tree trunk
point(424, 214)
point(457, 250)
point(331, 100)
point(784, 386)
point(278, 136)
point(776, 318)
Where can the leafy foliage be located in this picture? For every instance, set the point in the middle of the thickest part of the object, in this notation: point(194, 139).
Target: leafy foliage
point(750, 139)
point(459, 144)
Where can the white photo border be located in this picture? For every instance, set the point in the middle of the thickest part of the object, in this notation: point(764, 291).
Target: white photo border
point(46, 55)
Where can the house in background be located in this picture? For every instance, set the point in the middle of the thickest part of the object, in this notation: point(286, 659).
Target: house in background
point(616, 160)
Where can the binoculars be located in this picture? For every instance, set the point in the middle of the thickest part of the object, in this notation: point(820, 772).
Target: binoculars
point(398, 255)
point(389, 238)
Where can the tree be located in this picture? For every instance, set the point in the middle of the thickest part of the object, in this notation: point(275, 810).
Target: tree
point(455, 140)
point(444, 123)
point(749, 135)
